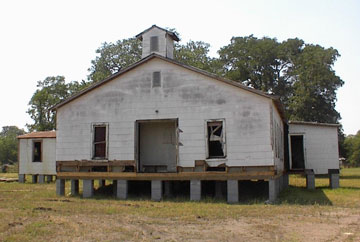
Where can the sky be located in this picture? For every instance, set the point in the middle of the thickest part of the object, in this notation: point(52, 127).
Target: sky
point(50, 38)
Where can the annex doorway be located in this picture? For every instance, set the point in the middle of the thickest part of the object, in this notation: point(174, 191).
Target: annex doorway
point(156, 145)
point(297, 152)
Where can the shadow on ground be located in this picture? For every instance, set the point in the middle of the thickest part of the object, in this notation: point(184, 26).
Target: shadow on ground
point(303, 196)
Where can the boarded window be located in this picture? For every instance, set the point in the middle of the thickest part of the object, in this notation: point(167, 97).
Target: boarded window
point(37, 149)
point(215, 140)
point(99, 142)
point(156, 81)
point(154, 43)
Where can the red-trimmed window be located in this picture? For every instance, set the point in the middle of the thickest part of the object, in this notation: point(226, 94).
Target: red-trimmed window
point(99, 142)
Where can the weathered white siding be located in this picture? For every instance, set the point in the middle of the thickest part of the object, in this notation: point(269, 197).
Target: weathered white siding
point(189, 96)
point(48, 164)
point(321, 146)
point(277, 133)
point(166, 44)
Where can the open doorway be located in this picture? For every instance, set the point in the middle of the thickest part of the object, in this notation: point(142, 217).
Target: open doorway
point(156, 145)
point(297, 152)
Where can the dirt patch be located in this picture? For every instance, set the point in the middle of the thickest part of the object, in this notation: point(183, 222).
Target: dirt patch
point(58, 200)
point(42, 209)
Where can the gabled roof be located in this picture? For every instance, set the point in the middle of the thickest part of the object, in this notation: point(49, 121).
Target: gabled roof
point(171, 34)
point(314, 123)
point(275, 99)
point(41, 134)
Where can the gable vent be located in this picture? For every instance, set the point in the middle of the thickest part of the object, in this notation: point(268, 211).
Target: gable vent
point(154, 43)
point(156, 81)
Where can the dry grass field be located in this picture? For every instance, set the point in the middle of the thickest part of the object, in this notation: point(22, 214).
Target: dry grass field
point(32, 212)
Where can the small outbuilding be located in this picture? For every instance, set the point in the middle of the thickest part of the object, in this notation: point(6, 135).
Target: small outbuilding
point(36, 156)
point(313, 148)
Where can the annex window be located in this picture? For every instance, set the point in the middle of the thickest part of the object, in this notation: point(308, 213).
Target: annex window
point(100, 142)
point(216, 146)
point(156, 79)
point(154, 43)
point(37, 149)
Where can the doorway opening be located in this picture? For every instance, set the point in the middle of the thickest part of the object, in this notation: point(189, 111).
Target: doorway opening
point(156, 145)
point(297, 152)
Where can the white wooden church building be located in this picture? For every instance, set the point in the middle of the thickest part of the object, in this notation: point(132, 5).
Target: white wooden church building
point(161, 121)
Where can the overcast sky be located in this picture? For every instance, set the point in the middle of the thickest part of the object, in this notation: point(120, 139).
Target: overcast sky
point(49, 38)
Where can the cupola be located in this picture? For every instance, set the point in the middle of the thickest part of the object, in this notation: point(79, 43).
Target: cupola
point(157, 40)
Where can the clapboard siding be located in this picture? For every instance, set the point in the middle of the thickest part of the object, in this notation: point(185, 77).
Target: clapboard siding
point(48, 164)
point(185, 95)
point(321, 146)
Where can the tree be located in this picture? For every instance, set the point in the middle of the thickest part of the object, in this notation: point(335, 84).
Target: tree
point(113, 57)
point(50, 92)
point(315, 85)
point(194, 53)
point(9, 144)
point(300, 74)
point(352, 146)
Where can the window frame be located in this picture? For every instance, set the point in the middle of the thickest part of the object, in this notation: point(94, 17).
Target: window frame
point(208, 157)
point(93, 127)
point(41, 150)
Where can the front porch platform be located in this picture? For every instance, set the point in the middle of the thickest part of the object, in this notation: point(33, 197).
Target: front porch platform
point(176, 176)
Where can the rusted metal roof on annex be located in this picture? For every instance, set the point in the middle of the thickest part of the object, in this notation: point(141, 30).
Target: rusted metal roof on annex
point(41, 134)
point(172, 34)
point(314, 123)
point(275, 99)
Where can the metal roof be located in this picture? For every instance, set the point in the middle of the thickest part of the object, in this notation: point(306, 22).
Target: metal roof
point(41, 134)
point(171, 34)
point(314, 123)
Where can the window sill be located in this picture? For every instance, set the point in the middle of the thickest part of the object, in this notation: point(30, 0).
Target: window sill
point(100, 160)
point(216, 161)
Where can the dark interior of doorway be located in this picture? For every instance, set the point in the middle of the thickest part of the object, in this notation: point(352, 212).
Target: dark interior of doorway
point(297, 152)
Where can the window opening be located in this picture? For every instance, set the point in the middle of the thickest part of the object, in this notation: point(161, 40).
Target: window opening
point(99, 142)
point(156, 79)
point(154, 43)
point(215, 140)
point(37, 151)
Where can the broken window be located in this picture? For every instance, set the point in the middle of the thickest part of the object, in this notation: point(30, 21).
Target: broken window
point(37, 146)
point(156, 81)
point(216, 139)
point(99, 142)
point(154, 43)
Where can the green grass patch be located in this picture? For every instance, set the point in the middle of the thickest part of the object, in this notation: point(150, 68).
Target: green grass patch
point(33, 212)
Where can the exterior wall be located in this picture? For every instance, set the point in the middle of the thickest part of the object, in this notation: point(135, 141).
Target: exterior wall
point(166, 45)
point(169, 47)
point(321, 146)
point(48, 164)
point(277, 134)
point(185, 95)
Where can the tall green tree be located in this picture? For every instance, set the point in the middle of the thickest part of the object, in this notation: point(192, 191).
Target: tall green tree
point(9, 144)
point(49, 92)
point(352, 146)
point(315, 85)
point(113, 57)
point(194, 53)
point(300, 74)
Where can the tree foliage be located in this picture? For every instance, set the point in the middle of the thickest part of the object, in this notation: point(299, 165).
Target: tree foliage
point(300, 74)
point(352, 146)
point(9, 144)
point(49, 92)
point(113, 57)
point(194, 53)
